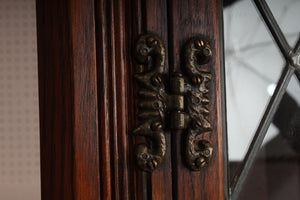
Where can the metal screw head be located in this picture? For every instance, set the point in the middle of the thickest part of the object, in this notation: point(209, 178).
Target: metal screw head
point(196, 124)
point(156, 80)
point(144, 51)
point(196, 80)
point(206, 52)
point(199, 44)
point(155, 105)
point(156, 126)
point(201, 162)
point(152, 164)
point(206, 152)
point(151, 42)
point(144, 156)
point(197, 100)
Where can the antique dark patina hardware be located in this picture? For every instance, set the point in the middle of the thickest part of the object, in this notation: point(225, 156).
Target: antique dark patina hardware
point(152, 103)
point(197, 152)
point(184, 107)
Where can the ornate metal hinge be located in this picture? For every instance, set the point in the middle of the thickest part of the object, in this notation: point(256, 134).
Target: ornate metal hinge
point(184, 107)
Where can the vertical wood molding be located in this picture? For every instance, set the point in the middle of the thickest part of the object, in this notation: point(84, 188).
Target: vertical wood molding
point(118, 24)
point(104, 88)
point(68, 100)
point(112, 67)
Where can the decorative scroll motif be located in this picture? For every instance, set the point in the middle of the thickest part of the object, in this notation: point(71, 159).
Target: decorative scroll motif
point(152, 102)
point(197, 152)
point(186, 103)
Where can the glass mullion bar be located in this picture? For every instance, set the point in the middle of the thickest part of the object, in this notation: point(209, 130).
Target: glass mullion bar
point(297, 73)
point(295, 51)
point(261, 131)
point(297, 46)
point(273, 27)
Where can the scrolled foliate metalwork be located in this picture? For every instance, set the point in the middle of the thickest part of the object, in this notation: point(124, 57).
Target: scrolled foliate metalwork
point(186, 103)
point(151, 103)
point(197, 152)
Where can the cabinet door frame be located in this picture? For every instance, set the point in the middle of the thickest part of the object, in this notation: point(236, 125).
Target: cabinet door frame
point(87, 106)
point(69, 135)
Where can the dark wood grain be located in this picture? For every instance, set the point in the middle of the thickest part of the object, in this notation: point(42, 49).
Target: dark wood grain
point(87, 98)
point(113, 98)
point(142, 17)
point(188, 18)
point(68, 100)
point(134, 28)
point(155, 21)
point(104, 101)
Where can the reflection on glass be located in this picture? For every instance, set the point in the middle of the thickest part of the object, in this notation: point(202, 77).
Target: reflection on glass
point(253, 66)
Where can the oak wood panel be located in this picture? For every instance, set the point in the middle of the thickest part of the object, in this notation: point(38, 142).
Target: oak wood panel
point(188, 18)
point(68, 100)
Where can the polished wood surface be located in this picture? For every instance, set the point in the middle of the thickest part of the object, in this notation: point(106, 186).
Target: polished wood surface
point(88, 98)
point(188, 18)
point(155, 20)
point(112, 71)
point(68, 100)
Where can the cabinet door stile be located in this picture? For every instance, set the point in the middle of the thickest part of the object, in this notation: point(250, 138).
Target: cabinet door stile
point(188, 18)
point(134, 25)
point(68, 100)
point(151, 17)
point(156, 22)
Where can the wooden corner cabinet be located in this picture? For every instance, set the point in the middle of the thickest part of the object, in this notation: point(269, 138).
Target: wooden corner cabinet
point(90, 104)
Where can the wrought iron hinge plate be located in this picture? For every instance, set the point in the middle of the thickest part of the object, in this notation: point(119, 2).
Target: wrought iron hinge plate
point(182, 106)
